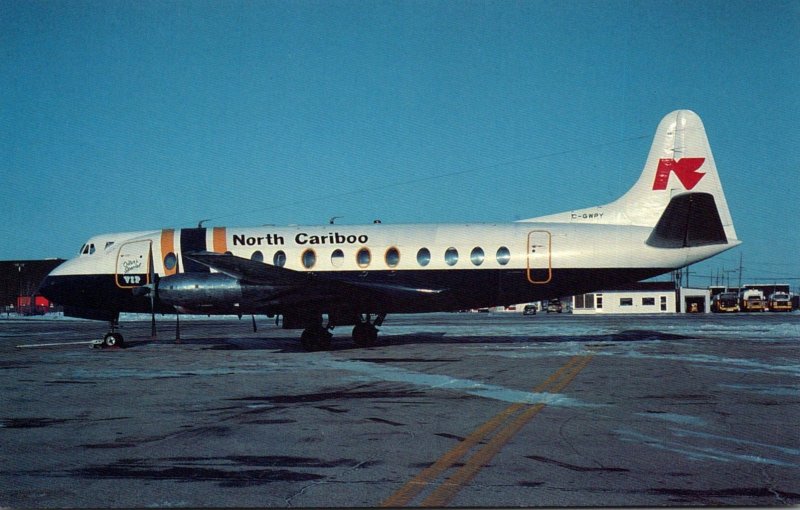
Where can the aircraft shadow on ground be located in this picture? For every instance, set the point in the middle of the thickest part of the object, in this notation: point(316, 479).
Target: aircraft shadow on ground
point(252, 341)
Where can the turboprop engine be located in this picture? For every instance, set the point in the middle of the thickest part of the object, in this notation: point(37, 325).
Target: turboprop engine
point(205, 291)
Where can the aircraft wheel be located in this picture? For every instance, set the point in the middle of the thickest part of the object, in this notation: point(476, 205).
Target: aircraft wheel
point(113, 340)
point(365, 334)
point(316, 339)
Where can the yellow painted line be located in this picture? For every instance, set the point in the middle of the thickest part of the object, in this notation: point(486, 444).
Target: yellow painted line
point(448, 489)
point(559, 379)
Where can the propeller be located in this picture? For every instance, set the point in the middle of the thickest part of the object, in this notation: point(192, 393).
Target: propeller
point(150, 289)
point(153, 286)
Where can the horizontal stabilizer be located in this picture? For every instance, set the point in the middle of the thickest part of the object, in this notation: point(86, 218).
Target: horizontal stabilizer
point(689, 220)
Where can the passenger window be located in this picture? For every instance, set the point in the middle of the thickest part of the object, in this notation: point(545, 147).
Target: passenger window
point(451, 256)
point(337, 258)
point(257, 256)
point(363, 257)
point(477, 256)
point(503, 256)
point(392, 257)
point(423, 257)
point(170, 261)
point(309, 258)
point(279, 259)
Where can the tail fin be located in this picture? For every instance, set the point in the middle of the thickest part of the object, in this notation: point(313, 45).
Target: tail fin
point(680, 161)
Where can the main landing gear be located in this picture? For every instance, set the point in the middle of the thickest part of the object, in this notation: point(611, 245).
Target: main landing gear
point(365, 333)
point(316, 338)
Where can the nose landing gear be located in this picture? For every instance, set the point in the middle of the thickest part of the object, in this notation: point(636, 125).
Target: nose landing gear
point(112, 338)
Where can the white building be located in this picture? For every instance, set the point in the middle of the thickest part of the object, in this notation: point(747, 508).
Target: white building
point(694, 300)
point(642, 297)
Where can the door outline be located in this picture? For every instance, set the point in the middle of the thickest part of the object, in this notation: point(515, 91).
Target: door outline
point(539, 260)
point(132, 275)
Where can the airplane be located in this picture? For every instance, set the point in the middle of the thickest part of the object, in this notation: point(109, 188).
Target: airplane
point(316, 278)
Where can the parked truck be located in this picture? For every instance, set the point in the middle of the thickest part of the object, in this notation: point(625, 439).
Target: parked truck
point(725, 302)
point(780, 302)
point(752, 300)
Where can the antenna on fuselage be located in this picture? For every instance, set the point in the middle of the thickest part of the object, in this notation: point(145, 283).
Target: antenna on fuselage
point(333, 219)
point(200, 223)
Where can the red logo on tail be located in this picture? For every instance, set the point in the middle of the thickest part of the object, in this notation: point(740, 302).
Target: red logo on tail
point(684, 168)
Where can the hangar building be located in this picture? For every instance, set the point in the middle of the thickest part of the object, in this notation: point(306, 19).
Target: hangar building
point(21, 278)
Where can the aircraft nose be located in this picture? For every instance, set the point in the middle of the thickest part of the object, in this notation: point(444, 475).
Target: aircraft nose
point(54, 289)
point(64, 285)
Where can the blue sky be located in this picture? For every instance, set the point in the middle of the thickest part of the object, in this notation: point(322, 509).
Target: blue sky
point(138, 115)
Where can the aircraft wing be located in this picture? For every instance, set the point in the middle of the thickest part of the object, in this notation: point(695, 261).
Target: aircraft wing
point(249, 270)
point(261, 273)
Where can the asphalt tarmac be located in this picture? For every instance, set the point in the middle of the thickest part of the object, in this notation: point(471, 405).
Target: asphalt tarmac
point(490, 410)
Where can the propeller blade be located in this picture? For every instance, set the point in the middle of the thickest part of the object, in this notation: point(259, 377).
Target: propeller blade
point(153, 289)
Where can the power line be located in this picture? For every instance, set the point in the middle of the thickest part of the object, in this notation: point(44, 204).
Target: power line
point(427, 178)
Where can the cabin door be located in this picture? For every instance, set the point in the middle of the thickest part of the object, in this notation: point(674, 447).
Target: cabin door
point(133, 264)
point(539, 257)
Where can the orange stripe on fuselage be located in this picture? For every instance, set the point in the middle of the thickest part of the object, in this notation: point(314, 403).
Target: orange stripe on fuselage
point(220, 242)
point(167, 247)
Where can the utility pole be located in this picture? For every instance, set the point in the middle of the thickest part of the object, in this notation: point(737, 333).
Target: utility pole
point(740, 270)
point(19, 266)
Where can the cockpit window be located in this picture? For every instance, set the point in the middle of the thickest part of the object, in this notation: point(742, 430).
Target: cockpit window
point(91, 249)
point(84, 249)
point(109, 244)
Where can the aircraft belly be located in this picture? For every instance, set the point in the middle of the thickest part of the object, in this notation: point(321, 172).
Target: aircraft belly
point(460, 289)
point(465, 289)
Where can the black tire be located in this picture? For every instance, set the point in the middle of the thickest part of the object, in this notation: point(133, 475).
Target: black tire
point(113, 340)
point(307, 340)
point(316, 339)
point(365, 335)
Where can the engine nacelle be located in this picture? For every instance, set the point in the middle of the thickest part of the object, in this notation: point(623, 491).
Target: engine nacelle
point(200, 290)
